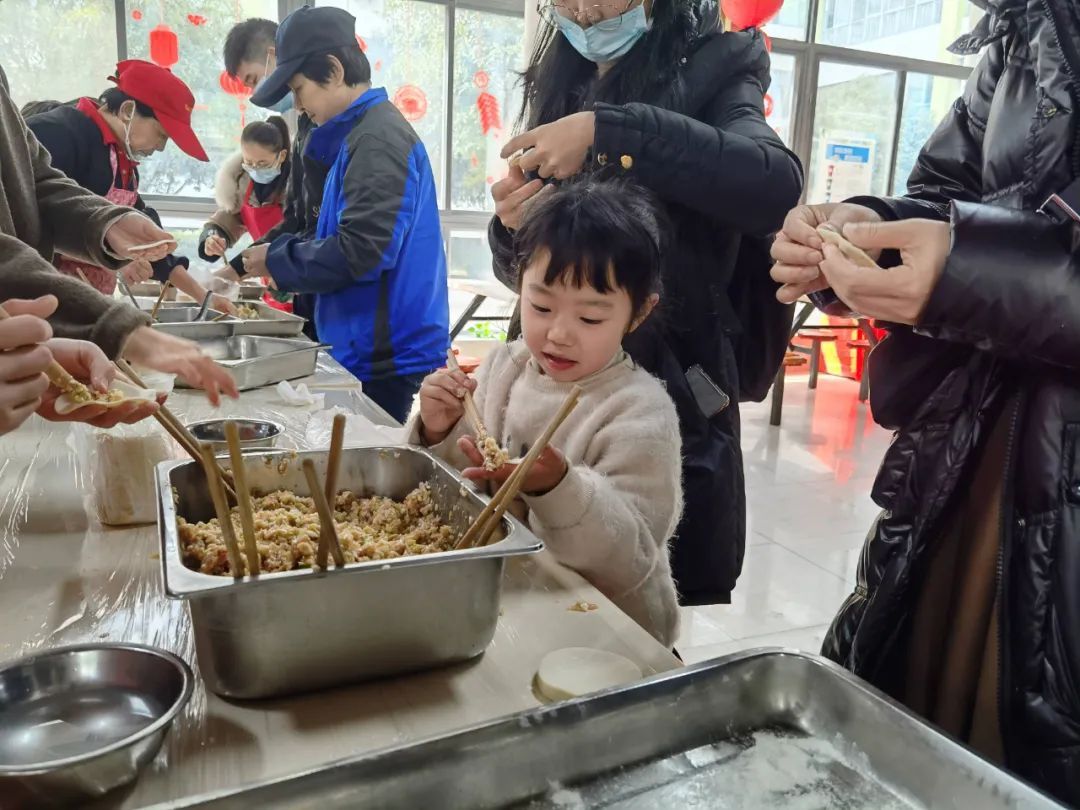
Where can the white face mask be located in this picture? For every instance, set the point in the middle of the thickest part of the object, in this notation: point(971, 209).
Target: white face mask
point(135, 157)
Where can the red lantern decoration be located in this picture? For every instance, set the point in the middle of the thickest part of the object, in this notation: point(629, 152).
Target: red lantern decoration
point(411, 101)
point(136, 15)
point(743, 14)
point(768, 42)
point(768, 105)
point(164, 46)
point(233, 86)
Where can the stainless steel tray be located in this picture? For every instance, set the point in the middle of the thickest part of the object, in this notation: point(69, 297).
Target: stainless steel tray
point(179, 320)
point(272, 322)
point(252, 292)
point(255, 362)
point(752, 730)
point(301, 630)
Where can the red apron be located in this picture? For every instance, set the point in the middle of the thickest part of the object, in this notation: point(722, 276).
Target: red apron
point(259, 219)
point(103, 280)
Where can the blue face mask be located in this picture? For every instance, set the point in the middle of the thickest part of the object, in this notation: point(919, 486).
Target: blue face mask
point(606, 40)
point(263, 176)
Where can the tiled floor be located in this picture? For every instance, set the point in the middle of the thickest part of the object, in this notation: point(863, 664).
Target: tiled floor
point(808, 495)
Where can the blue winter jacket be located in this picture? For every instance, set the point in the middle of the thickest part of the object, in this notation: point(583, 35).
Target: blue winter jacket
point(376, 264)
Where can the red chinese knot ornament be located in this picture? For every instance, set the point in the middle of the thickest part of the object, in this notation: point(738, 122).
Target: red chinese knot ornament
point(411, 101)
point(164, 46)
point(743, 14)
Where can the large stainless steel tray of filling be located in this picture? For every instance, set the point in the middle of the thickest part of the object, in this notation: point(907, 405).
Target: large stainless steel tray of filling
point(271, 322)
point(252, 292)
point(302, 630)
point(255, 362)
point(762, 729)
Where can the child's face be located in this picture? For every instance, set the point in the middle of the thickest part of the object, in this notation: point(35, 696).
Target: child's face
point(572, 332)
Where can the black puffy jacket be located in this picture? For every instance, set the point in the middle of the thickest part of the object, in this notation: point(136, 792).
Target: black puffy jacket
point(722, 171)
point(1000, 338)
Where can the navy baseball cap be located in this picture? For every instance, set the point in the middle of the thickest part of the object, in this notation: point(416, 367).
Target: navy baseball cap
point(305, 32)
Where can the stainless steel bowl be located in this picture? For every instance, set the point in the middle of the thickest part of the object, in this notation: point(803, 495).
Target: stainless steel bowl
point(255, 434)
point(77, 722)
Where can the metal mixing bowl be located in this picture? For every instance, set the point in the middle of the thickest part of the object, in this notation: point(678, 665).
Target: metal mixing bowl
point(254, 433)
point(77, 722)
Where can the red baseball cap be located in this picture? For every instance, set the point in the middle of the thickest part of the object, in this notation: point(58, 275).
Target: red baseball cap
point(165, 94)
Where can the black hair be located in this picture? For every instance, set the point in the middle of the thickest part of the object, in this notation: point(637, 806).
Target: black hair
point(559, 81)
point(272, 133)
point(604, 232)
point(248, 41)
point(114, 98)
point(318, 67)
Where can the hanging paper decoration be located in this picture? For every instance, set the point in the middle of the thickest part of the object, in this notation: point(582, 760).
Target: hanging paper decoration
point(164, 46)
point(743, 14)
point(197, 19)
point(411, 101)
point(488, 107)
point(768, 105)
point(136, 15)
point(474, 160)
point(378, 65)
point(481, 80)
point(233, 86)
point(361, 43)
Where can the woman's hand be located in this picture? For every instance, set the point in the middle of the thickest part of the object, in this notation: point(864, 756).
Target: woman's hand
point(557, 149)
point(163, 352)
point(214, 245)
point(126, 236)
point(255, 260)
point(219, 303)
point(899, 294)
point(546, 474)
point(513, 195)
point(797, 249)
point(137, 272)
point(442, 403)
point(24, 359)
point(88, 364)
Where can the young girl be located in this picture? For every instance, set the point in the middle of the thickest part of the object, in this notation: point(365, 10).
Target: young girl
point(605, 502)
point(250, 193)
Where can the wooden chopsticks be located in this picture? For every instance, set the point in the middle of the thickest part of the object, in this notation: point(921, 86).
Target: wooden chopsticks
point(157, 304)
point(328, 538)
point(56, 373)
point(479, 533)
point(221, 507)
point(471, 411)
point(333, 463)
point(175, 428)
point(243, 498)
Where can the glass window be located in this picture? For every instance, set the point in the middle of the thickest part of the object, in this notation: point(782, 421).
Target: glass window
point(57, 49)
point(218, 117)
point(780, 100)
point(405, 41)
point(922, 29)
point(853, 131)
point(487, 95)
point(926, 101)
point(790, 23)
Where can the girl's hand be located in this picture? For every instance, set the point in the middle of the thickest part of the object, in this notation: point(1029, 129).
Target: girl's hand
point(546, 474)
point(442, 403)
point(137, 272)
point(214, 246)
point(557, 149)
point(513, 195)
point(797, 249)
point(899, 294)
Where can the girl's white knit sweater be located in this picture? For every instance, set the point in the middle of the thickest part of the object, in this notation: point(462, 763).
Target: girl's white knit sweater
point(612, 515)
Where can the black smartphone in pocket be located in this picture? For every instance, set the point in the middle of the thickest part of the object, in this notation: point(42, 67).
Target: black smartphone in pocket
point(708, 395)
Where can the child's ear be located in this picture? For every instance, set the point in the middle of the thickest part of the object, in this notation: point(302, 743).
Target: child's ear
point(645, 312)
